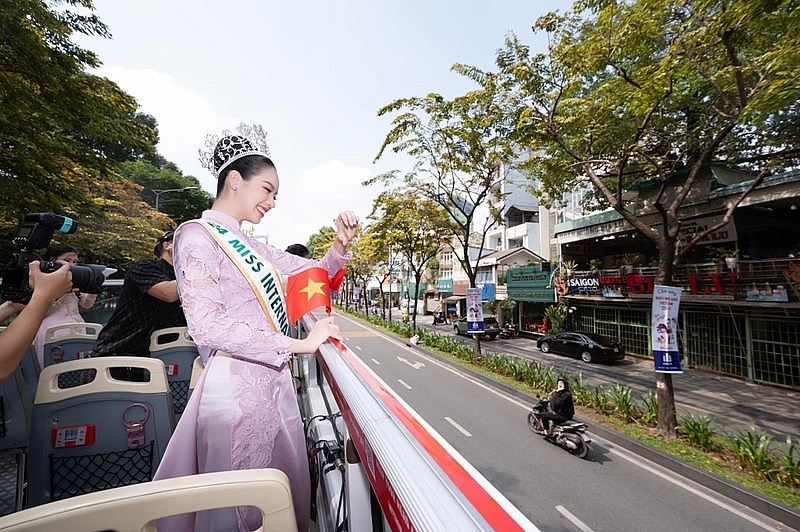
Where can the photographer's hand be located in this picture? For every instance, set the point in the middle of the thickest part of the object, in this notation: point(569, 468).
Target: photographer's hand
point(17, 338)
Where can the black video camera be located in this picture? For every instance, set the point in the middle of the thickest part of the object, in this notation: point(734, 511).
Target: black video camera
point(35, 233)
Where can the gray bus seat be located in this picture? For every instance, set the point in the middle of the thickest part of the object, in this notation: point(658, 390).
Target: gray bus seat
point(100, 434)
point(175, 348)
point(15, 417)
point(136, 508)
point(31, 369)
point(70, 341)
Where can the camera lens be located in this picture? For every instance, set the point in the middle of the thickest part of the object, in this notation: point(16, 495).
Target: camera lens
point(86, 279)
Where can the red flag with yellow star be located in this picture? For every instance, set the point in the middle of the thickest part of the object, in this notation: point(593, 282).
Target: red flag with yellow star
point(336, 280)
point(306, 291)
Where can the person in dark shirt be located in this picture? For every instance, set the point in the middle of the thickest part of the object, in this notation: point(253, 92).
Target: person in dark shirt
point(148, 302)
point(561, 406)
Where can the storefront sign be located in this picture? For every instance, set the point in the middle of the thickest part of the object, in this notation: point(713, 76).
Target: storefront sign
point(529, 284)
point(593, 231)
point(664, 333)
point(582, 285)
point(691, 228)
point(444, 285)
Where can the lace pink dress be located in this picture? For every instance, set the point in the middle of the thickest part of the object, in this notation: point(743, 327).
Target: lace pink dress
point(241, 415)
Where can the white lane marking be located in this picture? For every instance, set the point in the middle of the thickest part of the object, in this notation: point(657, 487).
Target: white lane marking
point(695, 491)
point(358, 347)
point(574, 520)
point(378, 362)
point(461, 429)
point(401, 381)
point(415, 365)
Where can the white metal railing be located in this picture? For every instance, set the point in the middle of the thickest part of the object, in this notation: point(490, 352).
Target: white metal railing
point(421, 482)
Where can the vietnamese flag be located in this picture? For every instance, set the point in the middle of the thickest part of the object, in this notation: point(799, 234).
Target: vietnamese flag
point(336, 280)
point(306, 291)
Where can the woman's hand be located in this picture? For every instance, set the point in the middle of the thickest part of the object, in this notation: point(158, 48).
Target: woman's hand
point(346, 229)
point(323, 329)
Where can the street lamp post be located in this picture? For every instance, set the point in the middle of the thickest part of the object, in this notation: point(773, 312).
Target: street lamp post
point(159, 192)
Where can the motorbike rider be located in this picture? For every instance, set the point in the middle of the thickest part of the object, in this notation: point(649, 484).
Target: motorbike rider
point(561, 407)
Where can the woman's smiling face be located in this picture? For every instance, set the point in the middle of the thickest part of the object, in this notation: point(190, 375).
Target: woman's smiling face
point(258, 195)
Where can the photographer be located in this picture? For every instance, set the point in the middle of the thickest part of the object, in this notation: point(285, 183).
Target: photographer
point(17, 338)
point(66, 309)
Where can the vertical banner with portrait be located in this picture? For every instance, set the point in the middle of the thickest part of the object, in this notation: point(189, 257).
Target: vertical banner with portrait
point(664, 323)
point(474, 311)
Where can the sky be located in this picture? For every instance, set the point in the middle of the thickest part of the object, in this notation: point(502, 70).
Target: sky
point(313, 73)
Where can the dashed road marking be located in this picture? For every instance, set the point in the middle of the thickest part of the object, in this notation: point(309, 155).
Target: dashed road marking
point(461, 429)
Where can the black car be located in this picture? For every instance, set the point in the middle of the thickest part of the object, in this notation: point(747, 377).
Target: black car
point(589, 346)
point(490, 327)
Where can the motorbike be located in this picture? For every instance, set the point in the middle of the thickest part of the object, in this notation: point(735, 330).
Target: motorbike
point(571, 434)
point(509, 331)
point(438, 317)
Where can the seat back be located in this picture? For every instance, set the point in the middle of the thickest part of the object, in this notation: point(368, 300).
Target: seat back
point(197, 370)
point(15, 417)
point(176, 349)
point(136, 508)
point(69, 341)
point(30, 368)
point(100, 434)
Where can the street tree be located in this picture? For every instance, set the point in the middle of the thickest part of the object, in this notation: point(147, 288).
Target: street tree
point(462, 152)
point(160, 175)
point(646, 91)
point(413, 226)
point(62, 129)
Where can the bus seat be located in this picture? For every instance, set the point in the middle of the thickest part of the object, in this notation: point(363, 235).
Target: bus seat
point(31, 369)
point(100, 434)
point(176, 349)
point(69, 341)
point(136, 508)
point(197, 370)
point(15, 417)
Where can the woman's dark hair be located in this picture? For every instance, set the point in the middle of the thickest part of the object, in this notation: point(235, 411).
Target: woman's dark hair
point(59, 249)
point(166, 237)
point(298, 249)
point(247, 167)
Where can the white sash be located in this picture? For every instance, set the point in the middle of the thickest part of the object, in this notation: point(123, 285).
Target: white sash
point(264, 280)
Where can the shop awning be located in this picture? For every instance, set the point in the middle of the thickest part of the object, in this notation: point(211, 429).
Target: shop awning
point(453, 299)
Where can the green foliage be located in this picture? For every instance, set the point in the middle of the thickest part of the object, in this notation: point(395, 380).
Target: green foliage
point(559, 314)
point(752, 448)
point(650, 411)
point(788, 470)
point(179, 205)
point(63, 131)
point(462, 149)
point(620, 397)
point(698, 430)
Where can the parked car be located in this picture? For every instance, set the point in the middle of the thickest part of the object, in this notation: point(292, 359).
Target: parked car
point(490, 327)
point(589, 346)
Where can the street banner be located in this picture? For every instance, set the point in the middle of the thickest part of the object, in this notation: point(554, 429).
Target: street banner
point(664, 324)
point(474, 311)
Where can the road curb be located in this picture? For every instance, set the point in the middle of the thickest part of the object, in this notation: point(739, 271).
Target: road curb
point(759, 503)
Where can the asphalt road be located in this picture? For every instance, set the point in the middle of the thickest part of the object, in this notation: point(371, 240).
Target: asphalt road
point(612, 489)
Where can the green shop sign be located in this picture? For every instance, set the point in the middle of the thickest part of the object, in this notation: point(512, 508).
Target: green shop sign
point(529, 284)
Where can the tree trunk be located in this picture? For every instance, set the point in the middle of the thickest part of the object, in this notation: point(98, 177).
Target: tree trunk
point(667, 421)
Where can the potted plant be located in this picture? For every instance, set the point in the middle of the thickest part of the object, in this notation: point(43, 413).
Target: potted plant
point(567, 266)
point(731, 256)
point(595, 264)
point(629, 260)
